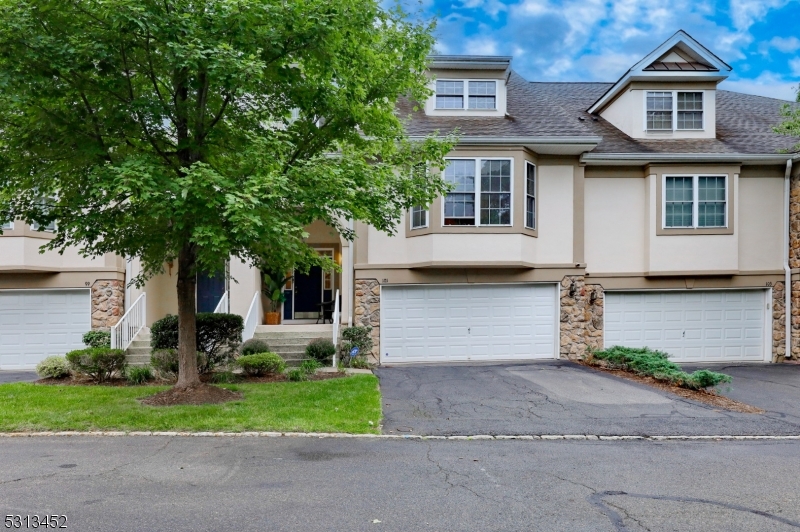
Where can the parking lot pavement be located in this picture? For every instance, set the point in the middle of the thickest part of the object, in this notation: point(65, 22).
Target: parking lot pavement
point(561, 397)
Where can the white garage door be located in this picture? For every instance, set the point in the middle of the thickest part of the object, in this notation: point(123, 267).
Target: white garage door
point(702, 326)
point(432, 323)
point(35, 324)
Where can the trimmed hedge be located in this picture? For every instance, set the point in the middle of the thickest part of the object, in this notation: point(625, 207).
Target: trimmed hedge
point(218, 337)
point(261, 364)
point(649, 363)
point(100, 363)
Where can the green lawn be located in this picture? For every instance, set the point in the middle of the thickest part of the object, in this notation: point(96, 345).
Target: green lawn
point(335, 405)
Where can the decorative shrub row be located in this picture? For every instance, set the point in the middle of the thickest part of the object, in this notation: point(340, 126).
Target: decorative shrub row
point(646, 362)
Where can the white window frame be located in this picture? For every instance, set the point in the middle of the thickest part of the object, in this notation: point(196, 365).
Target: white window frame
point(674, 112)
point(466, 106)
point(531, 194)
point(695, 202)
point(411, 225)
point(477, 161)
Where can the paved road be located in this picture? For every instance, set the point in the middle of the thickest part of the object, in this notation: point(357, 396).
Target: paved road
point(304, 484)
point(560, 397)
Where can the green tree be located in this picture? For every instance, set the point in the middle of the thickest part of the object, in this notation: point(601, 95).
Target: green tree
point(193, 130)
point(791, 123)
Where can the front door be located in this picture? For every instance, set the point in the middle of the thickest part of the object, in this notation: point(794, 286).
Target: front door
point(307, 293)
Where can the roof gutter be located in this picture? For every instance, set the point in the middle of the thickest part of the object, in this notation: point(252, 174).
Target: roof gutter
point(633, 158)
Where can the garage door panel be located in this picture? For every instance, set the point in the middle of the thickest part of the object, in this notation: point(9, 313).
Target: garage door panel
point(35, 324)
point(478, 322)
point(690, 325)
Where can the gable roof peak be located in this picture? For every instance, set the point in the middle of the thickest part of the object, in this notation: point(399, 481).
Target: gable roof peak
point(679, 58)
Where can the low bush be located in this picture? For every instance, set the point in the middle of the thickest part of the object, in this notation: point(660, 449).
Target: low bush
point(138, 374)
point(646, 362)
point(100, 363)
point(218, 337)
point(54, 367)
point(97, 339)
point(310, 366)
point(360, 337)
point(320, 349)
point(253, 346)
point(165, 361)
point(296, 375)
point(261, 364)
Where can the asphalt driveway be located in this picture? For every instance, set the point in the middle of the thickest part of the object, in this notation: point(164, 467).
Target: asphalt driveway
point(560, 397)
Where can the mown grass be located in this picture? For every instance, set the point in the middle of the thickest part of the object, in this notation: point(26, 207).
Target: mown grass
point(650, 363)
point(334, 405)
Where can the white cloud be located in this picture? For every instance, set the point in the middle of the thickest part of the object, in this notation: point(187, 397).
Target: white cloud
point(766, 84)
point(480, 46)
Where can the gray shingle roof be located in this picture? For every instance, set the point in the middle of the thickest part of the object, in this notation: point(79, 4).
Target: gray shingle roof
point(744, 121)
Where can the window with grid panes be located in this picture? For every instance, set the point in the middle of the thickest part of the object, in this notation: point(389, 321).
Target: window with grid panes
point(690, 110)
point(496, 192)
point(659, 111)
point(449, 94)
point(459, 204)
point(530, 196)
point(482, 94)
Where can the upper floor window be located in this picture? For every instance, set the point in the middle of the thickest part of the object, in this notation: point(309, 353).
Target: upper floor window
point(530, 196)
point(670, 110)
point(451, 94)
point(492, 192)
point(695, 201)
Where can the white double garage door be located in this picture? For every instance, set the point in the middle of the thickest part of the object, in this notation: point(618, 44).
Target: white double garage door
point(35, 324)
point(454, 323)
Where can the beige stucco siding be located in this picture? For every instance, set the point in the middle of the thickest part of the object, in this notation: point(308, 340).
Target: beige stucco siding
point(761, 224)
point(615, 225)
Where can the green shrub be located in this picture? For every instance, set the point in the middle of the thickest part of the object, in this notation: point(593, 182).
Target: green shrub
point(165, 361)
point(100, 363)
point(97, 339)
point(360, 337)
point(296, 375)
point(644, 361)
point(261, 364)
point(138, 374)
point(253, 346)
point(218, 337)
point(54, 367)
point(310, 366)
point(320, 349)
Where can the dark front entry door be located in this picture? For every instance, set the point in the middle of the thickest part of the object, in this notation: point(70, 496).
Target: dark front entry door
point(307, 293)
point(209, 290)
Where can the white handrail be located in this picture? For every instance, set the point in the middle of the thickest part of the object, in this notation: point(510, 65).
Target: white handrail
point(130, 324)
point(336, 321)
point(222, 306)
point(253, 318)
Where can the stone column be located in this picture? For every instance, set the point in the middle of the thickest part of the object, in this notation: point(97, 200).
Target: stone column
point(367, 311)
point(108, 303)
point(581, 325)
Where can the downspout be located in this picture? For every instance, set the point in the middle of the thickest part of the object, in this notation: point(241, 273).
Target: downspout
point(350, 277)
point(787, 284)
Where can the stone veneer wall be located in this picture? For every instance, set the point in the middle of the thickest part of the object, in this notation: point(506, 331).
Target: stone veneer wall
point(108, 303)
point(581, 324)
point(367, 311)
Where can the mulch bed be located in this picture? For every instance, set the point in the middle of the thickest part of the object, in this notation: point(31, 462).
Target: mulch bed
point(199, 394)
point(708, 397)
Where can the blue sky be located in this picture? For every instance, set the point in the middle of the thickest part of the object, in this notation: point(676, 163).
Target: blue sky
point(597, 40)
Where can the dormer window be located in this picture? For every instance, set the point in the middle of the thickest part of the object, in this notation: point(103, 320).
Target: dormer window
point(674, 110)
point(451, 94)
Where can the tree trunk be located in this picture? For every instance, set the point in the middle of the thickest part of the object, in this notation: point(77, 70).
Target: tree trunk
point(187, 313)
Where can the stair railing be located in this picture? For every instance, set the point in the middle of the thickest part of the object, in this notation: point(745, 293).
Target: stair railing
point(131, 324)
